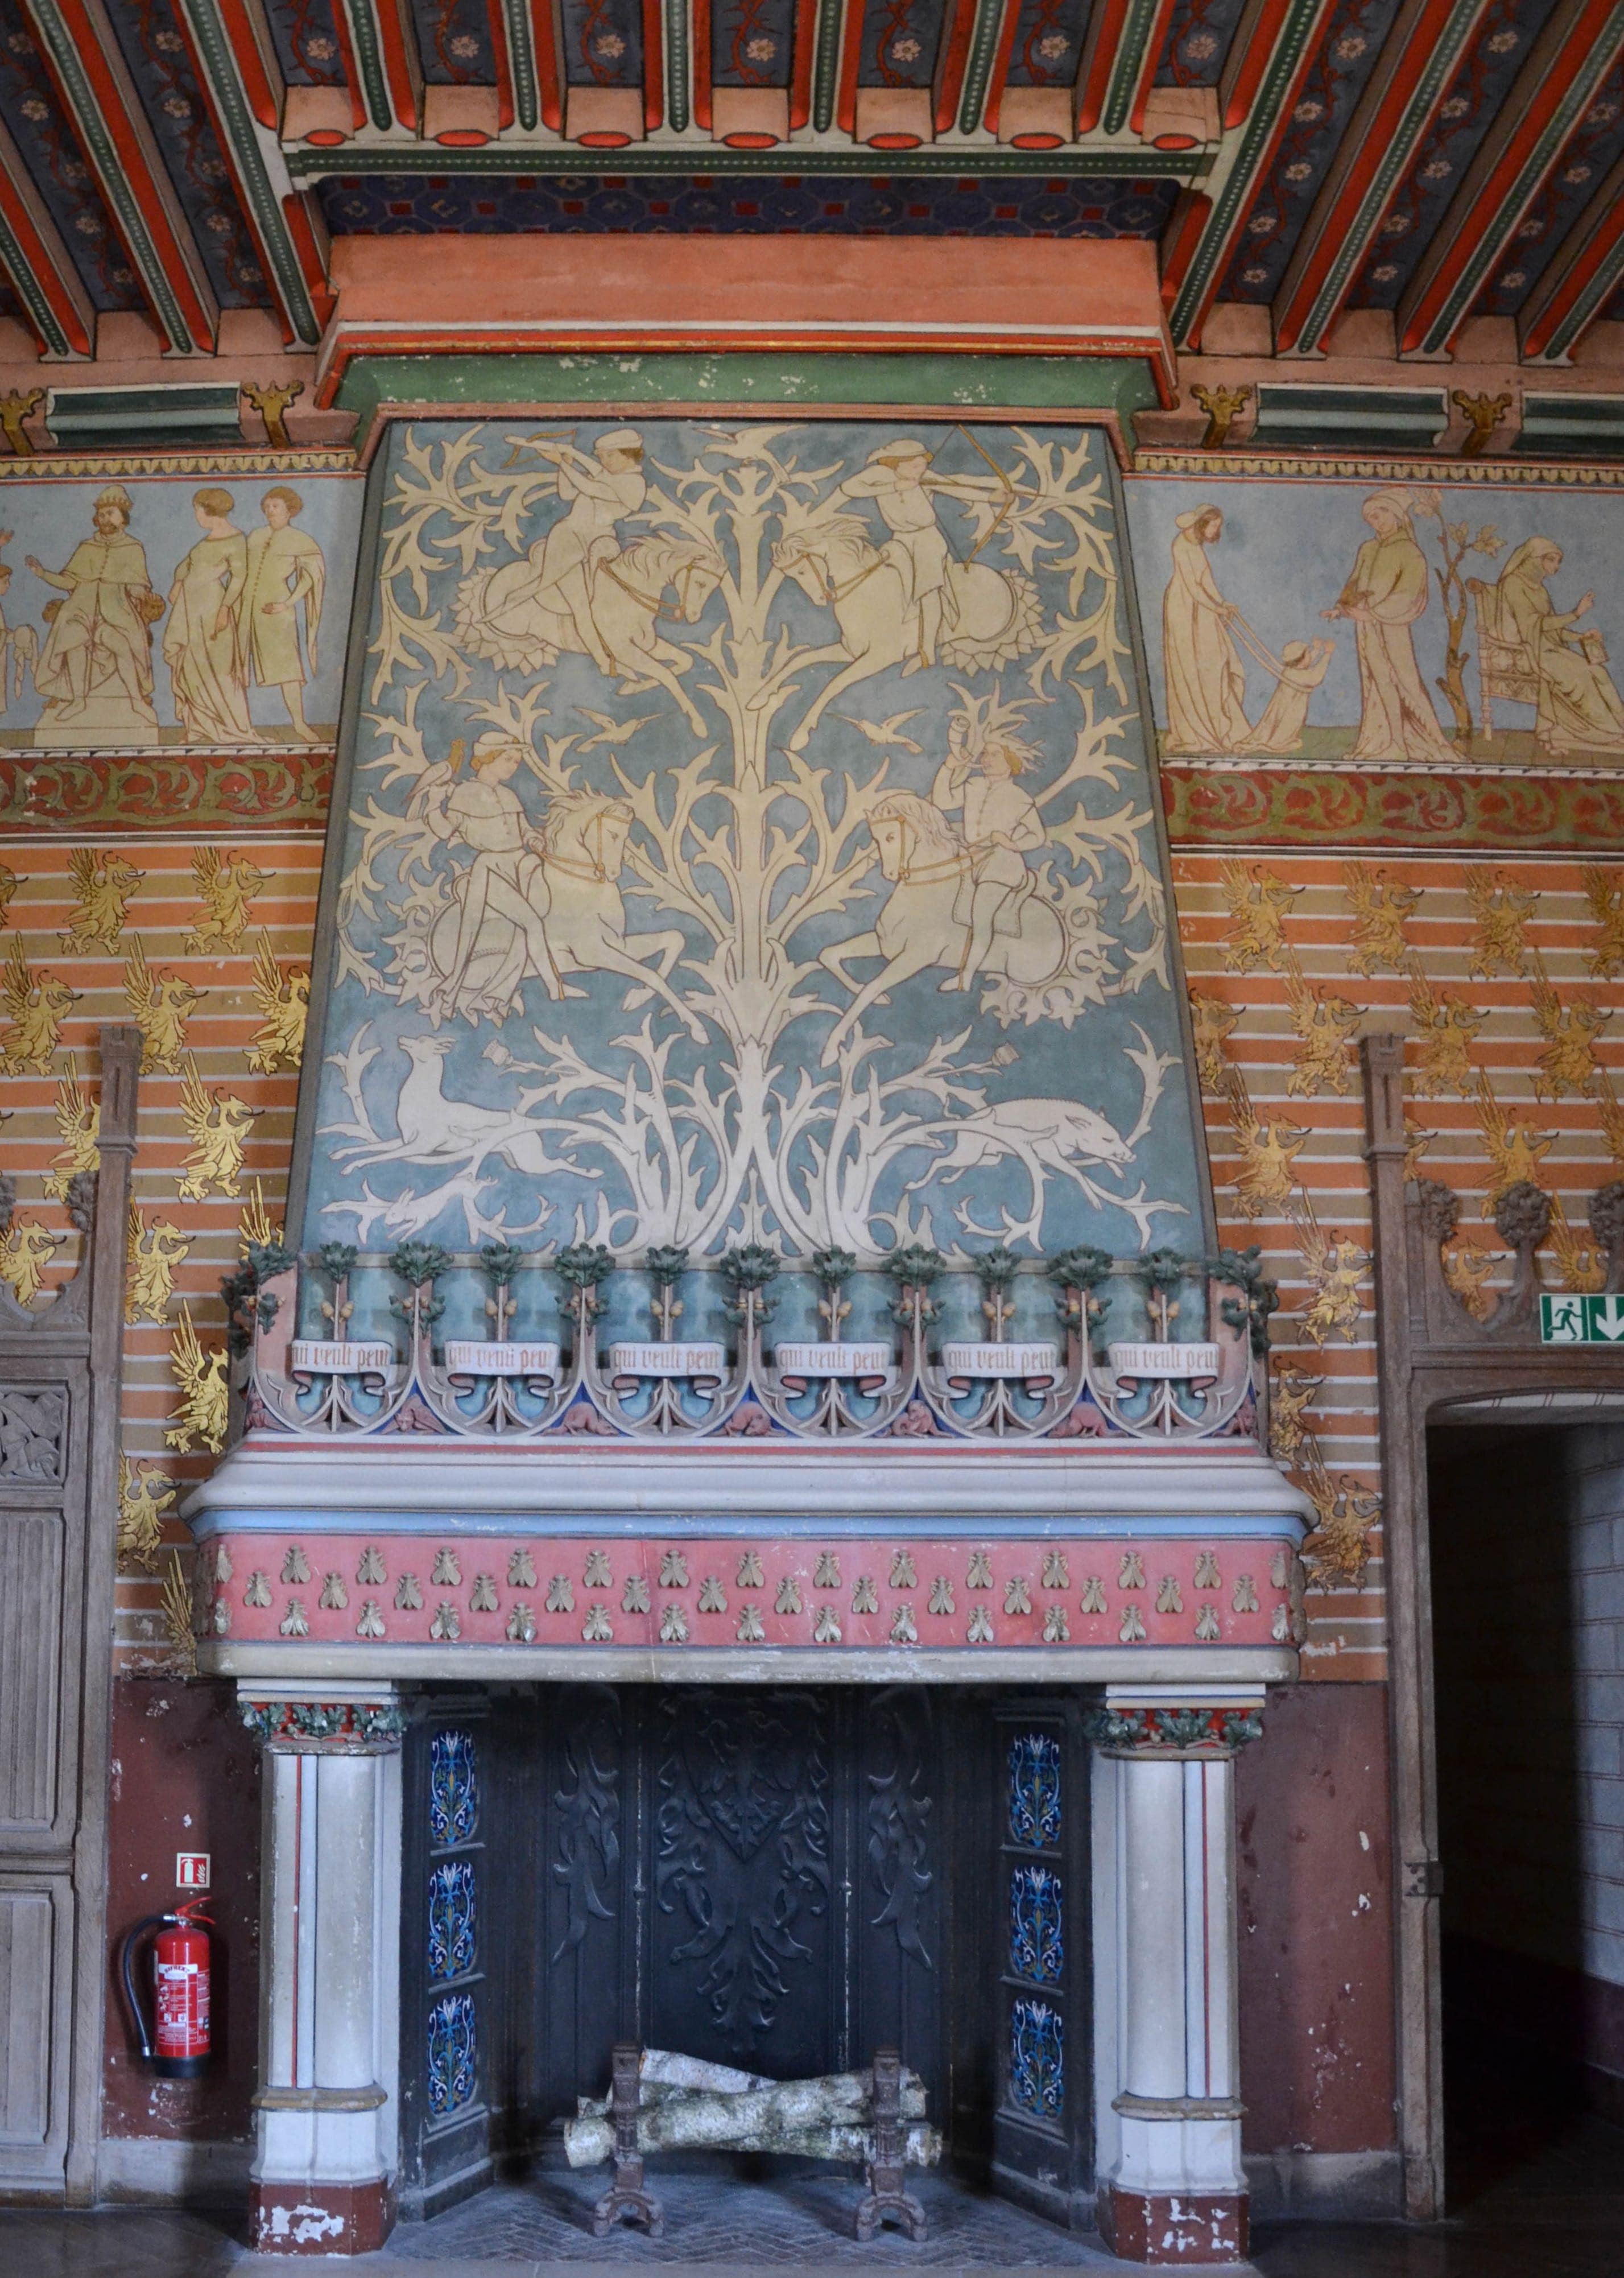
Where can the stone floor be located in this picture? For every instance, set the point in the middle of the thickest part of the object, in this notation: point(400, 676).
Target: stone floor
point(1539, 2193)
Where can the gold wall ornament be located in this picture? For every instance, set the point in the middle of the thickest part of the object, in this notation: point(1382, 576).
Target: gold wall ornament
point(1339, 1549)
point(1501, 909)
point(1467, 1267)
point(1335, 1269)
point(226, 885)
point(1380, 910)
point(257, 1229)
point(9, 883)
point(1324, 1023)
point(1223, 407)
point(1259, 903)
point(144, 1495)
point(1516, 1151)
point(79, 1127)
point(1580, 1265)
point(1484, 415)
point(1604, 891)
point(175, 1610)
point(282, 997)
point(216, 1123)
point(1268, 1146)
point(1290, 1396)
point(154, 1248)
point(1416, 1142)
point(35, 1005)
point(103, 886)
point(202, 1379)
point(160, 1004)
point(271, 398)
point(1569, 1062)
point(1211, 1021)
point(26, 1250)
point(1446, 1027)
point(18, 405)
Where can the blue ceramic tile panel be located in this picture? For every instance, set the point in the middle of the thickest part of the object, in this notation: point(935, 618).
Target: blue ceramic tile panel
point(454, 1928)
point(1037, 1934)
point(452, 2054)
point(1034, 1791)
point(453, 1789)
point(1037, 2059)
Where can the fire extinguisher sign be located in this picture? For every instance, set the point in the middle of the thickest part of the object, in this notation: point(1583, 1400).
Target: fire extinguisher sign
point(191, 1870)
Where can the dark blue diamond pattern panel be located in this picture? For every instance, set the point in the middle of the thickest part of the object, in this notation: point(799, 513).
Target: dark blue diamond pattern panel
point(1505, 33)
point(1047, 46)
point(307, 42)
point(1037, 2059)
point(752, 43)
point(1034, 1803)
point(1325, 102)
point(30, 107)
point(453, 1789)
point(1198, 42)
point(1596, 145)
point(743, 205)
point(454, 42)
point(603, 43)
point(900, 41)
point(161, 67)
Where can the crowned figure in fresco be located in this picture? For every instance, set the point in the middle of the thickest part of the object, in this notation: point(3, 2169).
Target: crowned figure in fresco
point(492, 933)
point(1384, 597)
point(205, 645)
point(96, 667)
point(287, 572)
point(1578, 708)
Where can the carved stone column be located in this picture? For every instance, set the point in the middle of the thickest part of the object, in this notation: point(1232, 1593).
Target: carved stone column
point(323, 2180)
point(1166, 2074)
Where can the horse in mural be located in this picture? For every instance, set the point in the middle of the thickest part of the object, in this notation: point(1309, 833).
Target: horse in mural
point(573, 886)
point(991, 617)
point(1052, 944)
point(508, 616)
point(583, 842)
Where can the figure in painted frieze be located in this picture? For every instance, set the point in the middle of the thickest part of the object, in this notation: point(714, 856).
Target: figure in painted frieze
point(978, 782)
point(1206, 684)
point(1383, 599)
point(1579, 708)
point(494, 934)
point(205, 645)
point(287, 572)
point(96, 667)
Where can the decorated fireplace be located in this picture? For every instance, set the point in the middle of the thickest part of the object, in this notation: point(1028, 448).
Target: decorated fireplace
point(751, 1530)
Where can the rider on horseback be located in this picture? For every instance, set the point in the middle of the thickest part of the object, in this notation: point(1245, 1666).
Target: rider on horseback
point(599, 491)
point(1000, 821)
point(503, 883)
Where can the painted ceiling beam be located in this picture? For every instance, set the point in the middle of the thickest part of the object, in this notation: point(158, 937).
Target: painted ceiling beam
point(35, 258)
point(1412, 77)
point(1571, 58)
point(1201, 239)
point(670, 153)
point(241, 84)
point(1579, 279)
point(382, 38)
point(94, 83)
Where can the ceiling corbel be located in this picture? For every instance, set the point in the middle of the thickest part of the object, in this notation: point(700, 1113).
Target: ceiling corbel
point(1573, 55)
point(1412, 77)
point(99, 96)
point(1199, 240)
point(241, 84)
point(40, 269)
point(1579, 279)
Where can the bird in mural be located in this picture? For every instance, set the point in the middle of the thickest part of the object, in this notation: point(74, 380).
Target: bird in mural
point(886, 734)
point(34, 1008)
point(217, 1124)
point(284, 1000)
point(226, 887)
point(611, 731)
point(78, 1125)
point(204, 1390)
point(102, 886)
point(162, 1004)
point(153, 1250)
point(743, 443)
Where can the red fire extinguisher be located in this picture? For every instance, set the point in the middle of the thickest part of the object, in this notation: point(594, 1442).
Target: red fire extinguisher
point(177, 2048)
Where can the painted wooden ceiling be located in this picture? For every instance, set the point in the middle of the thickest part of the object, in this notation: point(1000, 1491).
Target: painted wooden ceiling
point(1436, 158)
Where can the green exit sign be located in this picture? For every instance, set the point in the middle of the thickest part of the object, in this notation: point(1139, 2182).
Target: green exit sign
point(1581, 1320)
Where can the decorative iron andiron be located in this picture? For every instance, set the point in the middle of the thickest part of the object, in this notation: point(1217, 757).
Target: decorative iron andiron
point(885, 2199)
point(627, 2200)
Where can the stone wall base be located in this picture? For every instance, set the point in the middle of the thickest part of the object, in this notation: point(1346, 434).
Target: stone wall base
point(306, 2218)
point(1174, 2227)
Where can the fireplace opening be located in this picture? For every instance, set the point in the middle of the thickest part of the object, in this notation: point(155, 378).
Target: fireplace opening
point(780, 1879)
